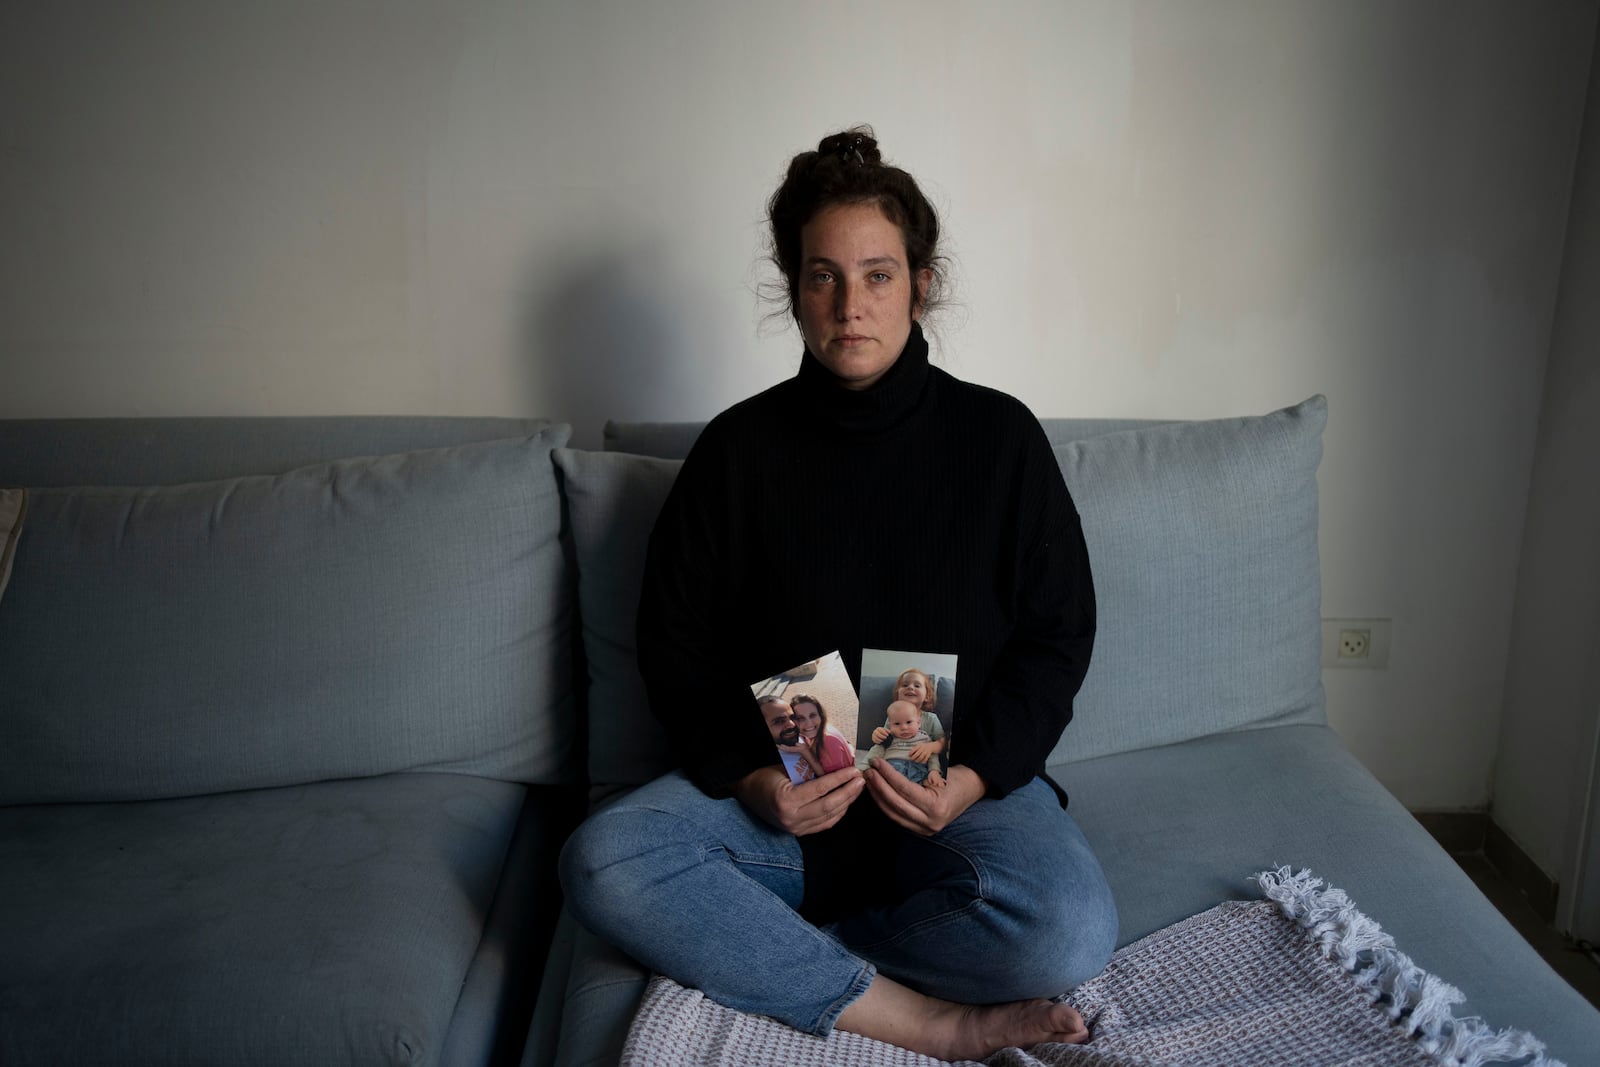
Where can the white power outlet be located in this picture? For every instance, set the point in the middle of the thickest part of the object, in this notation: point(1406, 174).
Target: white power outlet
point(1355, 643)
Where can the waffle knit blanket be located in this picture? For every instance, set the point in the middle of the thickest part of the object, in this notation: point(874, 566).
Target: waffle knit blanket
point(1301, 977)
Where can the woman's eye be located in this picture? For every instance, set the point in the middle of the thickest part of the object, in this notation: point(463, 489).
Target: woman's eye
point(879, 276)
point(821, 278)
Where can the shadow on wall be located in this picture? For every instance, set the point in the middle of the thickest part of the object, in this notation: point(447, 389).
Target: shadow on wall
point(610, 339)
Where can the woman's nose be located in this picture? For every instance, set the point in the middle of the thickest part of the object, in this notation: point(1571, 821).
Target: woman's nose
point(845, 301)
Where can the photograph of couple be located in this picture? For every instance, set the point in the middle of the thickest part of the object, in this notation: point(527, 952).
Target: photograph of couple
point(811, 712)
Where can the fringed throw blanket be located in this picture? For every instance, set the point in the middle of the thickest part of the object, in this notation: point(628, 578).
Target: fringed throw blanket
point(1301, 977)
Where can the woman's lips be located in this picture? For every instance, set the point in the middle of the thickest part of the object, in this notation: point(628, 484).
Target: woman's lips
point(851, 340)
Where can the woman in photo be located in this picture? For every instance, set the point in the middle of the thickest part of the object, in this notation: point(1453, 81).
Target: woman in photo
point(937, 920)
point(832, 751)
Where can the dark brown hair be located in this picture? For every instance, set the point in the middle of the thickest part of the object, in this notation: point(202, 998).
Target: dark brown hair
point(847, 168)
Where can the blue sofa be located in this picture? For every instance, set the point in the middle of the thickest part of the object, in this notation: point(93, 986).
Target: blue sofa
point(289, 740)
point(285, 758)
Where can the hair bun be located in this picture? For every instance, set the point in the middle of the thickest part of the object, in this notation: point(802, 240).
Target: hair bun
point(855, 145)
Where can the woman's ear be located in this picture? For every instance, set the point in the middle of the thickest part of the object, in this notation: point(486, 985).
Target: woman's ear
point(924, 279)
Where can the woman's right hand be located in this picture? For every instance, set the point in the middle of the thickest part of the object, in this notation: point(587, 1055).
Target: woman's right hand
point(807, 808)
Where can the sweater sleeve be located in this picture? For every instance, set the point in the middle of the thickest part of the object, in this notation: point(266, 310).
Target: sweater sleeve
point(1041, 665)
point(686, 635)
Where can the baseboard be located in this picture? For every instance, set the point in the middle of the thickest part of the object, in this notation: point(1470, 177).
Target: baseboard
point(1524, 875)
point(1459, 832)
point(1464, 833)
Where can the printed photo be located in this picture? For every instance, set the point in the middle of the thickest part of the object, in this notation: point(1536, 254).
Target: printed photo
point(811, 711)
point(908, 711)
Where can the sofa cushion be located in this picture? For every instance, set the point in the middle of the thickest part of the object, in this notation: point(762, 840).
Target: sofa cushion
point(1203, 539)
point(171, 450)
point(665, 440)
point(590, 993)
point(613, 499)
point(358, 617)
point(1182, 827)
point(672, 440)
point(328, 923)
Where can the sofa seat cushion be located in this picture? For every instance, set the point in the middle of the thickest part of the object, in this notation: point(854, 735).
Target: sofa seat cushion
point(326, 923)
point(1182, 827)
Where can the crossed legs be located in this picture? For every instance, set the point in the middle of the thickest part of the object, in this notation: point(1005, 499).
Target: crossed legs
point(1005, 905)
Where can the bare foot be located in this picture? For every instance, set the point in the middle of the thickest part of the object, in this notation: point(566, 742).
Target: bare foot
point(889, 1011)
point(984, 1030)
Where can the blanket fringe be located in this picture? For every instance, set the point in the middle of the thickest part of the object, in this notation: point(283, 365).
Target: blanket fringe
point(1419, 1002)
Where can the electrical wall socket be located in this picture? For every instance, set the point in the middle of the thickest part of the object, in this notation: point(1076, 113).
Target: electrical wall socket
point(1355, 643)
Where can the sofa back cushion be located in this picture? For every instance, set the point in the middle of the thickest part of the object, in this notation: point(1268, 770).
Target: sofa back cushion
point(357, 617)
point(1203, 540)
point(672, 440)
point(169, 451)
point(613, 499)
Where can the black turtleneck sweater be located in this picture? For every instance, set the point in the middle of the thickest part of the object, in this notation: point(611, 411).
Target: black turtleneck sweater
point(938, 522)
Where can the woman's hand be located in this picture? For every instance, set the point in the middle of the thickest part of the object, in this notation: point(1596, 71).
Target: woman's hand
point(922, 810)
point(925, 751)
point(807, 808)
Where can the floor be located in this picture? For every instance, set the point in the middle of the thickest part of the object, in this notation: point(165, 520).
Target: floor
point(1580, 968)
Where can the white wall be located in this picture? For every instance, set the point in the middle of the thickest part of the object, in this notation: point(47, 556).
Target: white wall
point(1552, 708)
point(1157, 209)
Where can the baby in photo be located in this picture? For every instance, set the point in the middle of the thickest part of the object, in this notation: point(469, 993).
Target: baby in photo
point(904, 723)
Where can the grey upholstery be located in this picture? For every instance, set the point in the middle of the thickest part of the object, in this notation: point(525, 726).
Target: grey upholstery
point(333, 922)
point(1180, 827)
point(399, 917)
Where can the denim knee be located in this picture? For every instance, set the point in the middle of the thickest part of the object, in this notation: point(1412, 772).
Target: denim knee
point(696, 890)
point(576, 868)
point(1079, 922)
point(608, 862)
point(1064, 938)
point(636, 857)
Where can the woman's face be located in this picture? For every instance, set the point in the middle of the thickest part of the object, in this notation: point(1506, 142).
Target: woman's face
point(808, 719)
point(912, 688)
point(855, 292)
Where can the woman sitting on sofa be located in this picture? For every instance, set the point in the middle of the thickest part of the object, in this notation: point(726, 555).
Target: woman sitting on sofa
point(936, 919)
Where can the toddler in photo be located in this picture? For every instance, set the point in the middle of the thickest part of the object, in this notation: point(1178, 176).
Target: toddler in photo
point(904, 724)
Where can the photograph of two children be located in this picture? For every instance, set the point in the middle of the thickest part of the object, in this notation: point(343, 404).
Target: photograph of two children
point(904, 714)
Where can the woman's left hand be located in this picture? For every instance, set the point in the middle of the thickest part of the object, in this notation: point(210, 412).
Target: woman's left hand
point(917, 808)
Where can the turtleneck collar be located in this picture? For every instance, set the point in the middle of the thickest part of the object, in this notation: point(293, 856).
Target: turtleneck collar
point(884, 404)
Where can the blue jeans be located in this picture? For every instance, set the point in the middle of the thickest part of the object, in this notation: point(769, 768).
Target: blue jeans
point(1012, 905)
point(914, 771)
